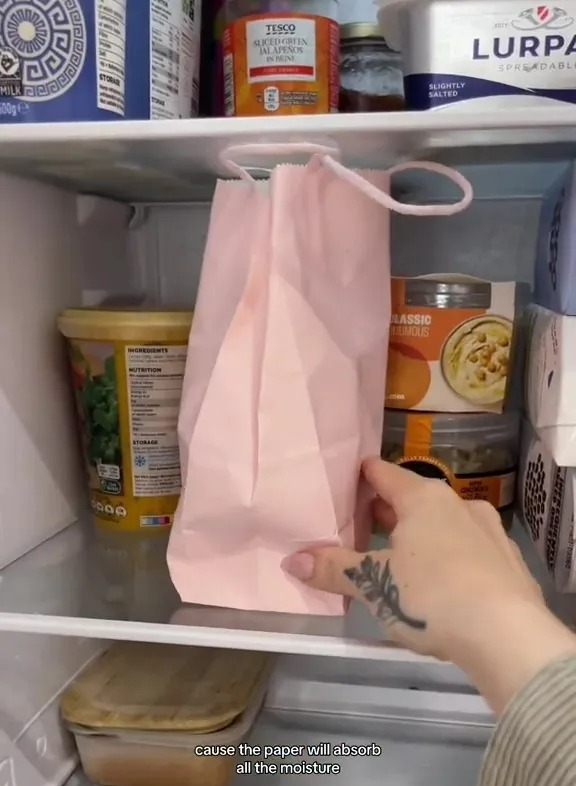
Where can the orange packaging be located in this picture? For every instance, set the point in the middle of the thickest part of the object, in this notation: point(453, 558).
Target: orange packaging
point(282, 64)
point(476, 454)
point(450, 344)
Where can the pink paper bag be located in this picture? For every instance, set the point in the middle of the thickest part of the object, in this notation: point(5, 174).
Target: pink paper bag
point(284, 385)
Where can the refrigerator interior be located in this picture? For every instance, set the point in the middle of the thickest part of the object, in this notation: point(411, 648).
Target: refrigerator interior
point(58, 608)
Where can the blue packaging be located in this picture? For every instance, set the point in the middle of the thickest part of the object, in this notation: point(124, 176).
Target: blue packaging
point(555, 274)
point(80, 60)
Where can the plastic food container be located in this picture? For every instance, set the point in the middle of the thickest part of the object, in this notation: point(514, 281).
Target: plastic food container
point(476, 453)
point(127, 373)
point(142, 714)
point(370, 72)
point(483, 55)
point(281, 57)
point(85, 60)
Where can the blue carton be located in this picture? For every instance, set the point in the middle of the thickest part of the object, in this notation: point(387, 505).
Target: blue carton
point(555, 274)
point(81, 60)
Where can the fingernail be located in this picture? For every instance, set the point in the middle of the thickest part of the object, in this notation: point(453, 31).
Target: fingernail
point(299, 565)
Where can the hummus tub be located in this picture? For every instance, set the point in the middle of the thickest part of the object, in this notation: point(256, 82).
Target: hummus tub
point(451, 343)
point(81, 60)
point(481, 54)
point(127, 370)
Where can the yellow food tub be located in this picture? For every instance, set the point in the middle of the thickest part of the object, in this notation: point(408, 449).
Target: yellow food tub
point(127, 370)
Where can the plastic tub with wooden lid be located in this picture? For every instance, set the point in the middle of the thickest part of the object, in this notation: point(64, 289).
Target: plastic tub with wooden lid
point(141, 712)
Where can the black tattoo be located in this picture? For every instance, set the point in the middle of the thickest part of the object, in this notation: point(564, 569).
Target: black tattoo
point(377, 585)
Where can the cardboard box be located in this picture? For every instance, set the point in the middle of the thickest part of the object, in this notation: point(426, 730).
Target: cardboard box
point(451, 343)
point(546, 498)
point(550, 382)
point(555, 273)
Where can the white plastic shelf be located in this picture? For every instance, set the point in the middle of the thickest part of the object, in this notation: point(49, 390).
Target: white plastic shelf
point(177, 160)
point(69, 587)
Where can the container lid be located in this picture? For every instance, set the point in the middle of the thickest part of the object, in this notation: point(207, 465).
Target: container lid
point(494, 427)
point(449, 291)
point(389, 19)
point(128, 317)
point(163, 687)
point(360, 30)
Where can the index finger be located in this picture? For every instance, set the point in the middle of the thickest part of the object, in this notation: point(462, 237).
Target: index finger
point(394, 484)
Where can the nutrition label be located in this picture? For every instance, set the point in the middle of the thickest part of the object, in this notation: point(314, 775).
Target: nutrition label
point(155, 375)
point(111, 59)
point(174, 55)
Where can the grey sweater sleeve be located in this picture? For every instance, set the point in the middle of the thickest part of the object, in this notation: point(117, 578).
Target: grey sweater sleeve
point(534, 743)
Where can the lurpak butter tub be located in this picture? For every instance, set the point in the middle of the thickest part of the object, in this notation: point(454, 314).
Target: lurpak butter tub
point(480, 54)
point(127, 372)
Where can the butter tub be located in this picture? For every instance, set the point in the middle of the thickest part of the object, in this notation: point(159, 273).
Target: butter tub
point(478, 54)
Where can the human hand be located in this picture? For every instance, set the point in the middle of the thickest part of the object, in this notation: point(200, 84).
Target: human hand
point(451, 584)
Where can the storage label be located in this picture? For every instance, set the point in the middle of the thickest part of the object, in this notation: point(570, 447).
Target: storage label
point(111, 59)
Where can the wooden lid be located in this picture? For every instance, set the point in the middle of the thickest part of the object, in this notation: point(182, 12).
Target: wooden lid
point(163, 687)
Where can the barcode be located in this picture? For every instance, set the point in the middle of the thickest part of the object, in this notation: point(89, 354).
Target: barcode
point(229, 106)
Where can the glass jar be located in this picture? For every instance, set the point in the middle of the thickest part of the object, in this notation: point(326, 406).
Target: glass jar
point(371, 77)
point(475, 453)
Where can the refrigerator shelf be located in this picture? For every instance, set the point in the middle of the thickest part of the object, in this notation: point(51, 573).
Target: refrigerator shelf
point(178, 160)
point(68, 586)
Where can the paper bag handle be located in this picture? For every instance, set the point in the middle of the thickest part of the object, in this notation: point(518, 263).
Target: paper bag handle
point(383, 198)
point(227, 155)
point(327, 156)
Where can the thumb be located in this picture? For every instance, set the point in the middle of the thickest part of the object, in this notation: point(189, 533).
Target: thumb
point(329, 568)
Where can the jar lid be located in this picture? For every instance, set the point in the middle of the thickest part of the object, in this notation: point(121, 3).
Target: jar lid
point(448, 292)
point(360, 30)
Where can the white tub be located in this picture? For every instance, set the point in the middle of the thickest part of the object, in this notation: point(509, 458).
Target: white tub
point(483, 54)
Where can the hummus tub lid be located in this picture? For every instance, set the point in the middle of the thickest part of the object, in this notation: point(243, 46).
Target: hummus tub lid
point(448, 292)
point(137, 324)
point(163, 687)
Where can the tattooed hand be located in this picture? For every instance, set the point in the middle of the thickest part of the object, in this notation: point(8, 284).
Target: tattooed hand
point(451, 584)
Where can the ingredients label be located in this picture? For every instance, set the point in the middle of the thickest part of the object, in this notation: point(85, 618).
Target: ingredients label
point(174, 58)
point(111, 58)
point(155, 375)
point(449, 358)
point(281, 64)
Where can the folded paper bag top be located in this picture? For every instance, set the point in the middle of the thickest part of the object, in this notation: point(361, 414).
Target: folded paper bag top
point(285, 378)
